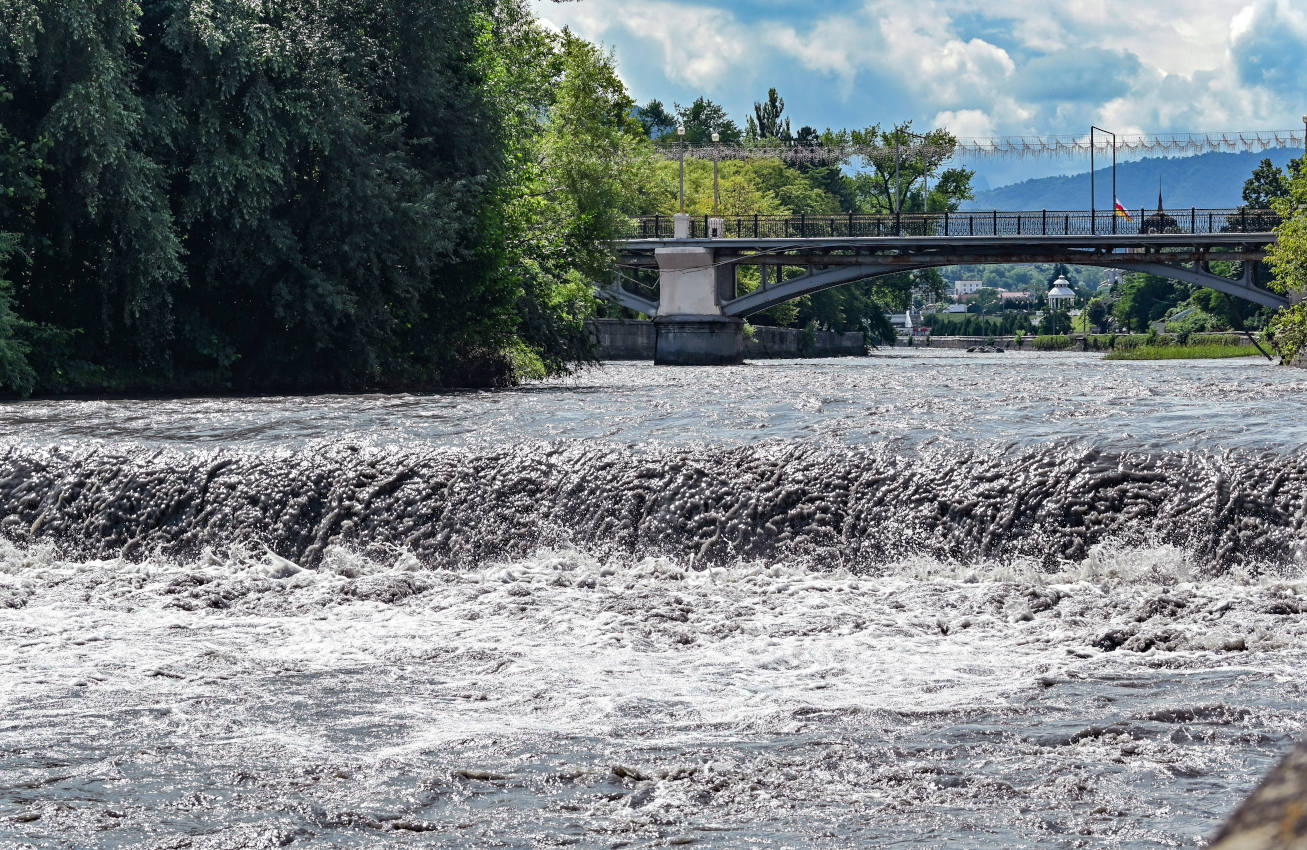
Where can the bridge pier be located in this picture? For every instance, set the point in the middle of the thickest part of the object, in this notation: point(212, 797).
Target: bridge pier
point(698, 341)
point(690, 326)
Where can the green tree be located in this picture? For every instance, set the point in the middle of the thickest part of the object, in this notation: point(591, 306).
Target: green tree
point(1288, 259)
point(895, 181)
point(330, 193)
point(986, 300)
point(655, 120)
point(1097, 312)
point(1145, 298)
point(702, 118)
point(1268, 184)
point(766, 122)
point(16, 373)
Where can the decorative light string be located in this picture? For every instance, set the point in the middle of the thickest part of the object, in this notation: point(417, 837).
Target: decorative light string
point(1004, 146)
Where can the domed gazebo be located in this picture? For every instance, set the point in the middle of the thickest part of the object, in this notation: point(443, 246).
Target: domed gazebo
point(1060, 295)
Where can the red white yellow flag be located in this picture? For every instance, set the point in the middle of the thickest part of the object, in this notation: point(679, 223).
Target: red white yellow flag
point(1120, 210)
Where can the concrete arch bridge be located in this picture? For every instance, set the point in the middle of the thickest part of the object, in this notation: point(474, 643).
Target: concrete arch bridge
point(699, 310)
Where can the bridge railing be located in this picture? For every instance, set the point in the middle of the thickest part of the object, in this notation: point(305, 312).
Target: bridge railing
point(970, 223)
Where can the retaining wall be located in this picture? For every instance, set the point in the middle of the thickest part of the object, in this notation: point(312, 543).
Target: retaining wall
point(1009, 342)
point(635, 339)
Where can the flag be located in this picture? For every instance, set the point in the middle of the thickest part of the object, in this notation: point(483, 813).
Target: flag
point(1120, 210)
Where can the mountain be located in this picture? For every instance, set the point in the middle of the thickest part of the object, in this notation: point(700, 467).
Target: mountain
point(1210, 180)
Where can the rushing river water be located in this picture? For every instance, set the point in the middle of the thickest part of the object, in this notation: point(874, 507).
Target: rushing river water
point(921, 599)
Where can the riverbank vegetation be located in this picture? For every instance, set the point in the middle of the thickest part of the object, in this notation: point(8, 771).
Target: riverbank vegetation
point(330, 194)
point(338, 194)
point(1288, 257)
point(1182, 352)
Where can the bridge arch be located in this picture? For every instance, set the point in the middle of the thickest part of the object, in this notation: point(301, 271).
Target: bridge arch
point(828, 278)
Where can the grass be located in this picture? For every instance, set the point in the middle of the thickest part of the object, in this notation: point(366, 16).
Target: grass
point(1182, 352)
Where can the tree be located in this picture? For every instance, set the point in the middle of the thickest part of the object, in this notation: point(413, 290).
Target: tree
point(16, 374)
point(1096, 312)
point(1288, 259)
point(325, 193)
point(1145, 298)
point(655, 119)
point(766, 122)
point(902, 160)
point(703, 118)
point(1055, 322)
point(1268, 184)
point(986, 299)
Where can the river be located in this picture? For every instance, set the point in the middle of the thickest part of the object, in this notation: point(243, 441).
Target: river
point(924, 598)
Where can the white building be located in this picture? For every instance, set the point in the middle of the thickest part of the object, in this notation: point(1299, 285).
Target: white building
point(966, 288)
point(1060, 295)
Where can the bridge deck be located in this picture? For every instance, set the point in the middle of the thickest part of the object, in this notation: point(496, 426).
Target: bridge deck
point(1020, 223)
point(1112, 241)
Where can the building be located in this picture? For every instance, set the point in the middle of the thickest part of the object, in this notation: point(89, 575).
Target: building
point(966, 288)
point(1113, 277)
point(1015, 299)
point(1060, 294)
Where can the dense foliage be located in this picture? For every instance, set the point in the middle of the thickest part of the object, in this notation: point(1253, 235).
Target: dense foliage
point(1288, 257)
point(315, 193)
point(881, 185)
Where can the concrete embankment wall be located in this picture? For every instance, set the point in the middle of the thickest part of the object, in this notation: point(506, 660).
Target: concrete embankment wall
point(631, 339)
point(1028, 342)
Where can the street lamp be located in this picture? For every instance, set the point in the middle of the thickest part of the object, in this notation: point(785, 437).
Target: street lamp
point(716, 137)
point(925, 173)
point(1093, 209)
point(680, 134)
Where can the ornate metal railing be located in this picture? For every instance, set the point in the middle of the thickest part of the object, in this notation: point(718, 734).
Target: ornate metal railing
point(971, 223)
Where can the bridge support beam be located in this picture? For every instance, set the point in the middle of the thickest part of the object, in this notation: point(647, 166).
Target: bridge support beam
point(691, 329)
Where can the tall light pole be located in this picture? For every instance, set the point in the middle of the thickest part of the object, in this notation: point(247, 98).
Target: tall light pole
point(1093, 209)
point(925, 172)
point(1304, 144)
point(716, 137)
point(680, 134)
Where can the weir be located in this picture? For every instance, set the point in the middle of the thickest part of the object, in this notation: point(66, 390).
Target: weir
point(698, 308)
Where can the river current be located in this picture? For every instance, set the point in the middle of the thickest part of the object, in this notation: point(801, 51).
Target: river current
point(919, 599)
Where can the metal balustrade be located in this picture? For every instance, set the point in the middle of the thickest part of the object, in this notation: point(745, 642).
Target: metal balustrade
point(970, 223)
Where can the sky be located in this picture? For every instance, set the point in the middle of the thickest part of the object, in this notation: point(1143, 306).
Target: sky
point(1017, 67)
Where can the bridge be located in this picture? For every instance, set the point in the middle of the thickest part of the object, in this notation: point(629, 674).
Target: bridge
point(698, 307)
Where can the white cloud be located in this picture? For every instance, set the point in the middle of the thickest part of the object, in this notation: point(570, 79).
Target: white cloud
point(1021, 67)
point(699, 44)
point(965, 123)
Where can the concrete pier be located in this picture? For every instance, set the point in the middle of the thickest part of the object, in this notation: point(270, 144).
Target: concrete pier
point(698, 341)
point(691, 329)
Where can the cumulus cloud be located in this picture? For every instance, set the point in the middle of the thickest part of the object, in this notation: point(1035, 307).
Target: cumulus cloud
point(1085, 75)
point(1025, 67)
point(1268, 42)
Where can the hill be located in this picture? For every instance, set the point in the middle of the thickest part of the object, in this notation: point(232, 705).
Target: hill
point(1213, 180)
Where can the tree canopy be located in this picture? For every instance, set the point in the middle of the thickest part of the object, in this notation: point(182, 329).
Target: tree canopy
point(318, 193)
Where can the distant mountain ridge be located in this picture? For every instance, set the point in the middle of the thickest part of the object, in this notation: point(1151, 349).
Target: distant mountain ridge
point(1212, 180)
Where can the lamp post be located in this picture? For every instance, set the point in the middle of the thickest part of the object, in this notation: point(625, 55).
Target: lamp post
point(1093, 209)
point(680, 134)
point(716, 199)
point(925, 175)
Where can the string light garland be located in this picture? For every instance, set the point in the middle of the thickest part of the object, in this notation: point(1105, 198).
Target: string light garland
point(1004, 146)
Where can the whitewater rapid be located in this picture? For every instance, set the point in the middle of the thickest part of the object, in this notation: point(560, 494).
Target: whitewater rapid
point(456, 621)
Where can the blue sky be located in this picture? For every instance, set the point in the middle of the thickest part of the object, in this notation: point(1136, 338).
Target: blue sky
point(1019, 67)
